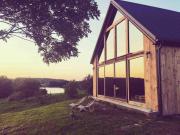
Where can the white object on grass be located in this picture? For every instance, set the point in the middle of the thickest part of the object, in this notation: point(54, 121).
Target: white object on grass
point(73, 105)
point(89, 107)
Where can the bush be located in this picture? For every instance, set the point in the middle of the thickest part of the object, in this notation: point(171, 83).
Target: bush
point(20, 88)
point(16, 96)
point(5, 87)
point(27, 87)
point(42, 92)
point(71, 89)
point(87, 84)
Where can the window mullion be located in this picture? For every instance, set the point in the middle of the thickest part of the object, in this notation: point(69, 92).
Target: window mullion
point(105, 56)
point(115, 55)
point(127, 61)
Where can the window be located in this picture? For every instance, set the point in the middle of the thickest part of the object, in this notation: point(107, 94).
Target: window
point(102, 56)
point(101, 81)
point(136, 82)
point(122, 73)
point(120, 80)
point(135, 39)
point(121, 38)
point(109, 80)
point(117, 17)
point(110, 44)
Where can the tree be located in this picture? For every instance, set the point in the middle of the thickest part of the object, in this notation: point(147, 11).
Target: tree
point(71, 89)
point(87, 84)
point(27, 87)
point(56, 26)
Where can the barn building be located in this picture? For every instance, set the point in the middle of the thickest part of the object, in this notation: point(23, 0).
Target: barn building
point(136, 61)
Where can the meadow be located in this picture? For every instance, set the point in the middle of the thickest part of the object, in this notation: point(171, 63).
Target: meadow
point(50, 115)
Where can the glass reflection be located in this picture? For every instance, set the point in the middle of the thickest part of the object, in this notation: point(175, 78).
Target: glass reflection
point(117, 17)
point(136, 86)
point(120, 80)
point(110, 45)
point(121, 39)
point(109, 80)
point(135, 39)
point(102, 57)
point(101, 81)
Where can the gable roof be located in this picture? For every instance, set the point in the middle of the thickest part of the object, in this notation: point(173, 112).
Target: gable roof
point(160, 25)
point(163, 24)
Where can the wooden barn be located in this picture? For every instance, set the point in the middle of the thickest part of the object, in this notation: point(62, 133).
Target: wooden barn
point(136, 61)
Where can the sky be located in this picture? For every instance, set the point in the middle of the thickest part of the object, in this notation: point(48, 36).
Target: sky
point(20, 58)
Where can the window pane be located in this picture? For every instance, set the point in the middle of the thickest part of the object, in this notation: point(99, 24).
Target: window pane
point(121, 39)
point(135, 39)
point(117, 16)
point(136, 85)
point(120, 79)
point(101, 81)
point(102, 58)
point(109, 80)
point(110, 45)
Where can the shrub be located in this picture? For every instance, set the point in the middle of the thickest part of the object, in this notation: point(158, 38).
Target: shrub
point(27, 87)
point(71, 89)
point(5, 87)
point(42, 92)
point(87, 84)
point(16, 96)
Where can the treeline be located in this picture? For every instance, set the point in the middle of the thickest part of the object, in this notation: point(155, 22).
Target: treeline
point(48, 82)
point(55, 83)
point(20, 88)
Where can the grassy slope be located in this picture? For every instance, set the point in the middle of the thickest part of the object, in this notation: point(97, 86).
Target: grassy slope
point(32, 118)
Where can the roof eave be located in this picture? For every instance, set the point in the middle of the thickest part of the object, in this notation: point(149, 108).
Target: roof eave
point(168, 43)
point(101, 32)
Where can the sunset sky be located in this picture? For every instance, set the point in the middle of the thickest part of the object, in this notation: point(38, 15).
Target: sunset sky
point(20, 58)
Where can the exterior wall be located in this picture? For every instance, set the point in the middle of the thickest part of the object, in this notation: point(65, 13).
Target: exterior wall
point(170, 80)
point(151, 91)
point(150, 63)
point(95, 77)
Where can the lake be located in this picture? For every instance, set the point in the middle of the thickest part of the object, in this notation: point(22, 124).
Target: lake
point(54, 90)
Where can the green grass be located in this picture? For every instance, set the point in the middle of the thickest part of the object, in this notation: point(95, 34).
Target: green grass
point(31, 117)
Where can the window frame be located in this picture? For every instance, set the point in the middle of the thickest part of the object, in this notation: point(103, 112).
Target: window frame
point(127, 57)
point(133, 58)
point(113, 45)
point(98, 79)
point(122, 99)
point(105, 77)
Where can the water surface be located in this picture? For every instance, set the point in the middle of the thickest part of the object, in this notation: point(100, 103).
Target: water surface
point(54, 90)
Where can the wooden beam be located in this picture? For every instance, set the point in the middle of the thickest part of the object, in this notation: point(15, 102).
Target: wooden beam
point(127, 62)
point(115, 24)
point(115, 55)
point(105, 61)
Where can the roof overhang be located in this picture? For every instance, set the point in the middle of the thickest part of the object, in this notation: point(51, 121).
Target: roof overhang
point(103, 29)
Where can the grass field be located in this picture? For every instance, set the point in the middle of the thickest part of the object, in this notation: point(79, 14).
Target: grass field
point(50, 116)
